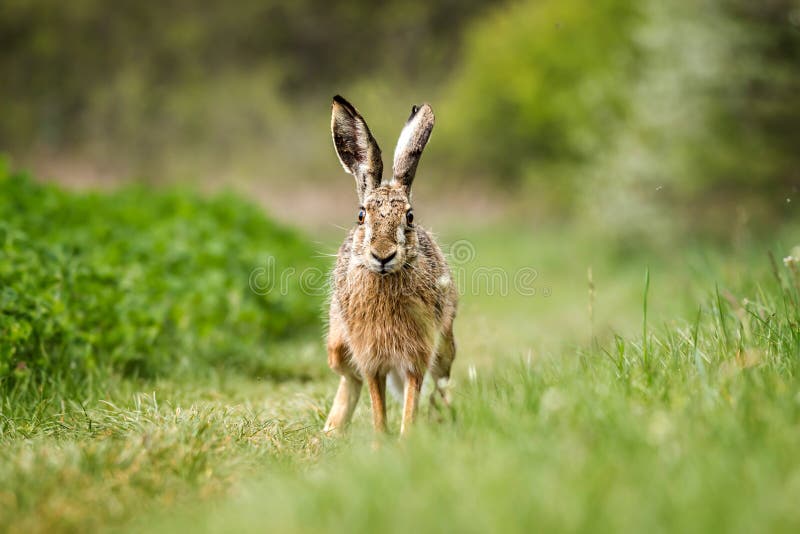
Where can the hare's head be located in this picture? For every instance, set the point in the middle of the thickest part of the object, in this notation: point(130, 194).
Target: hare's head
point(384, 239)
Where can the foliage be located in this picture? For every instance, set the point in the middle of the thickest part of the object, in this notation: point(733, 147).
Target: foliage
point(138, 282)
point(541, 83)
point(618, 97)
point(576, 102)
point(760, 114)
point(134, 60)
point(708, 120)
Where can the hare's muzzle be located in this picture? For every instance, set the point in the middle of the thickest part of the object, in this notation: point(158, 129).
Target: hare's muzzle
point(383, 259)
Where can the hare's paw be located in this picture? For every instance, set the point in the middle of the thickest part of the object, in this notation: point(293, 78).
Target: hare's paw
point(441, 406)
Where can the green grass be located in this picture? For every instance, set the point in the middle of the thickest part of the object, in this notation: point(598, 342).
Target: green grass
point(673, 405)
point(693, 429)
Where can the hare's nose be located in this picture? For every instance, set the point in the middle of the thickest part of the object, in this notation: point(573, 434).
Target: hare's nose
point(384, 259)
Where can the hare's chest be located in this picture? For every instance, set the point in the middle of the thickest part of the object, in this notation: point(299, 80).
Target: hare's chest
point(389, 330)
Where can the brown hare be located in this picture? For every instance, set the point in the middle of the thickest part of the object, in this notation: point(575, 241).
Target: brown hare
point(393, 300)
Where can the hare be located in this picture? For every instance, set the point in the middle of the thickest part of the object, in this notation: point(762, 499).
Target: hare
point(393, 299)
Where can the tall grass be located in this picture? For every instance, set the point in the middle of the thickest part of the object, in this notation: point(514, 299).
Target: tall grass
point(688, 435)
point(686, 419)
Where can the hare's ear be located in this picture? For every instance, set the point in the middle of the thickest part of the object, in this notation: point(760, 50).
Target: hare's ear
point(412, 140)
point(355, 146)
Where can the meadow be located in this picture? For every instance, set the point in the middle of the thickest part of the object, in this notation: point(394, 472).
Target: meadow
point(614, 183)
point(621, 386)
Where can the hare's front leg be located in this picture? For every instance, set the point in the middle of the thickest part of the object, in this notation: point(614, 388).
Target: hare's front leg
point(344, 404)
point(377, 394)
point(410, 400)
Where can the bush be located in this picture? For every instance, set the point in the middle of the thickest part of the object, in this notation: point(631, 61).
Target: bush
point(139, 283)
point(542, 82)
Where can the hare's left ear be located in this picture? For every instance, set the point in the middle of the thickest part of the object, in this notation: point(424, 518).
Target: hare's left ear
point(412, 141)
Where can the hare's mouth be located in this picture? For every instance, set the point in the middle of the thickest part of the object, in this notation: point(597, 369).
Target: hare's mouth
point(384, 269)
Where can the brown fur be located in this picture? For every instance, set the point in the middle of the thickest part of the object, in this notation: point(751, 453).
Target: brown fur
point(394, 299)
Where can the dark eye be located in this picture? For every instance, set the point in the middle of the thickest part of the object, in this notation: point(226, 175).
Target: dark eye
point(361, 215)
point(409, 217)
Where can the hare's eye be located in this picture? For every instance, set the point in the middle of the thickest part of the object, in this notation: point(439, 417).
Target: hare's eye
point(361, 216)
point(409, 217)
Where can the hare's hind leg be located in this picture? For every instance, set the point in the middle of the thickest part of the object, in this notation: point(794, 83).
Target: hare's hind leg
point(440, 370)
point(344, 403)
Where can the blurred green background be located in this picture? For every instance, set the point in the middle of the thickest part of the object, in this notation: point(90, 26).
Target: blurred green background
point(641, 116)
point(637, 160)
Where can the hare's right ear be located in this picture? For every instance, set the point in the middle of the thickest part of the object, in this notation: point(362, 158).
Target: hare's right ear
point(355, 146)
